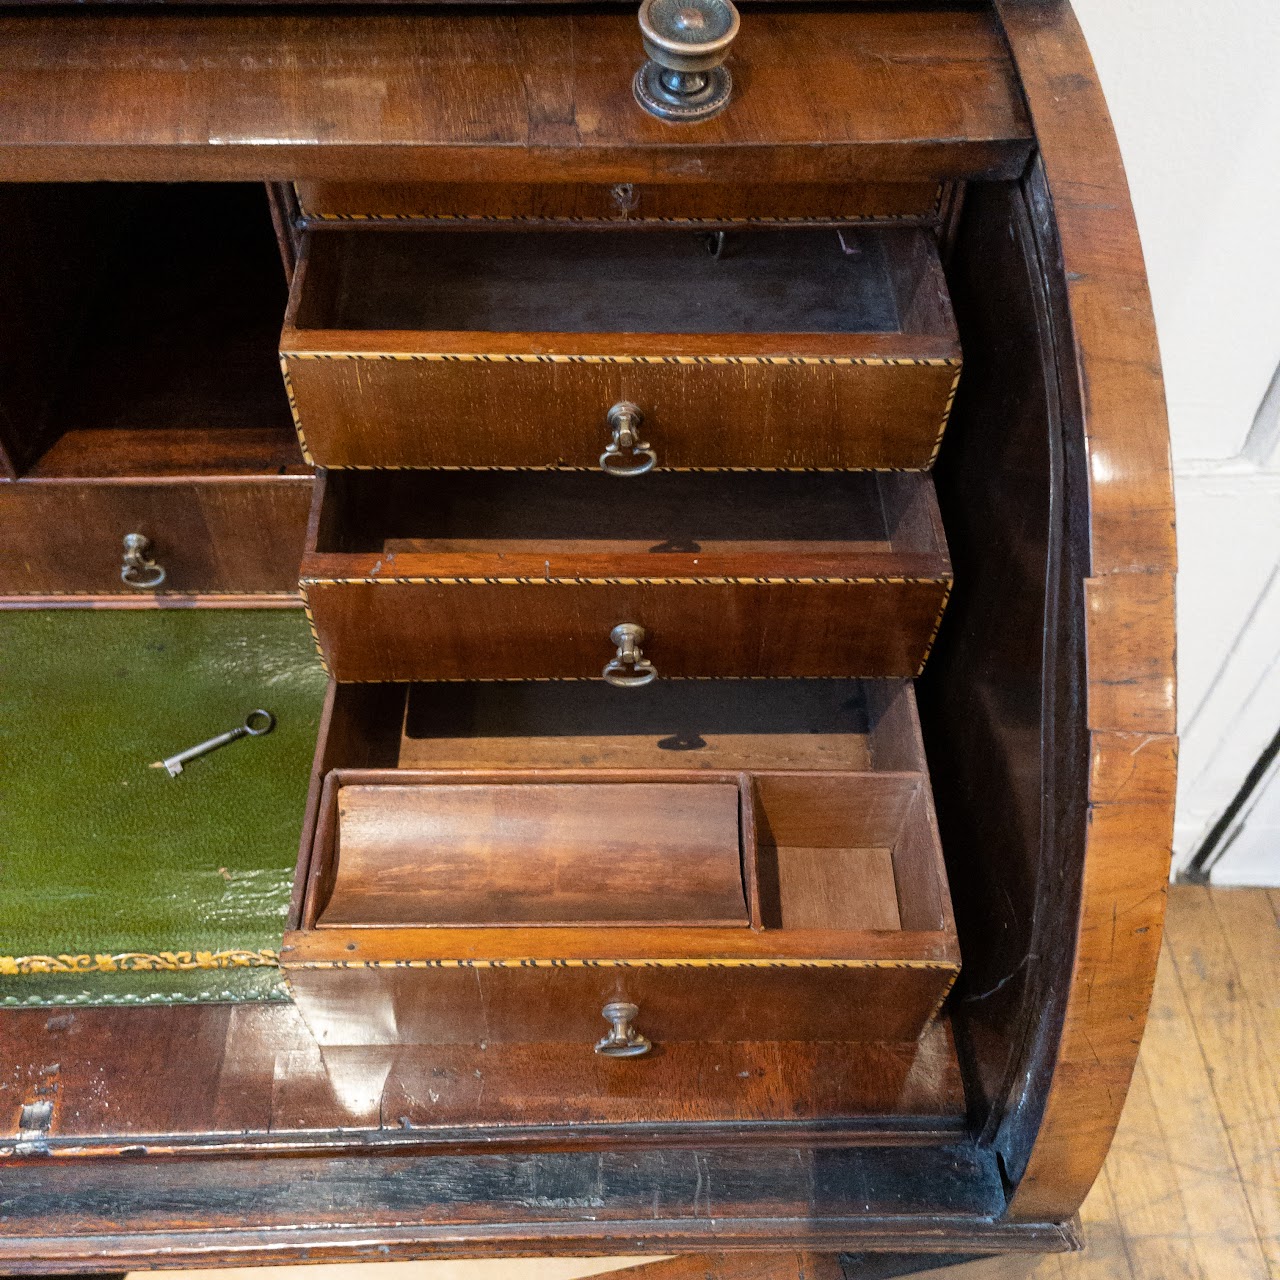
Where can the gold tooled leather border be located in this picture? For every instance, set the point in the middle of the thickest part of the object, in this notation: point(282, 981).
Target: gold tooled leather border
point(138, 962)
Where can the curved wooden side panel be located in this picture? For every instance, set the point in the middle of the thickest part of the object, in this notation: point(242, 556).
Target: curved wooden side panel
point(1110, 383)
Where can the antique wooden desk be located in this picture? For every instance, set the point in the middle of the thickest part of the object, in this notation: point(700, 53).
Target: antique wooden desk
point(884, 896)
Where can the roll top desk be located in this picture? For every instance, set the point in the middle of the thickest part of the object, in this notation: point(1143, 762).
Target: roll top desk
point(726, 479)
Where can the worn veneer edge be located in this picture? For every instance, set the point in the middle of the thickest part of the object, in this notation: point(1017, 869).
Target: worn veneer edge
point(1111, 365)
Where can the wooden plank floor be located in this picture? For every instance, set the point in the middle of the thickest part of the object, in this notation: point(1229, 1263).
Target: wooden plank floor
point(1191, 1189)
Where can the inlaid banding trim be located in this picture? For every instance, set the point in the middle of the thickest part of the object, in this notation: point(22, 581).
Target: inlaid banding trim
point(733, 962)
point(946, 418)
point(528, 357)
point(293, 411)
point(618, 582)
point(624, 218)
point(818, 221)
point(315, 634)
point(538, 468)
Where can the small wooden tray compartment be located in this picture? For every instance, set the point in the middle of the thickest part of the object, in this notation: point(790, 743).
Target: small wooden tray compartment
point(847, 932)
point(795, 349)
point(445, 576)
point(439, 850)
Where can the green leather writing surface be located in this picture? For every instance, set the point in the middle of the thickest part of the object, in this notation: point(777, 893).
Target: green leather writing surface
point(118, 882)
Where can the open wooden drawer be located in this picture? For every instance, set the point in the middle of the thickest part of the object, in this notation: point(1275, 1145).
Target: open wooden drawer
point(791, 349)
point(739, 862)
point(446, 576)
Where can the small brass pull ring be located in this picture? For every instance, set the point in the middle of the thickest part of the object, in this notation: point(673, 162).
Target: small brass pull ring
point(628, 668)
point(626, 454)
point(623, 1040)
point(136, 570)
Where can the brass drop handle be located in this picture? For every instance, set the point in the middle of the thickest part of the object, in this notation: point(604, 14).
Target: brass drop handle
point(629, 668)
point(625, 420)
point(687, 42)
point(136, 570)
point(623, 1040)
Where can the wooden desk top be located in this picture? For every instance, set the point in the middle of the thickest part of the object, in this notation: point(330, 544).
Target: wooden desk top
point(173, 96)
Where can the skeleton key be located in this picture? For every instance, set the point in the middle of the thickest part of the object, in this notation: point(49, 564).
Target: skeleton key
point(256, 723)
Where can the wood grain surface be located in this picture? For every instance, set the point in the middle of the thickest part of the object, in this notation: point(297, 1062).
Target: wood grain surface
point(540, 96)
point(537, 853)
point(501, 348)
point(1115, 385)
point(514, 576)
point(220, 536)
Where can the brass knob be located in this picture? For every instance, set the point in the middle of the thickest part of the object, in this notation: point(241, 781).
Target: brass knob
point(687, 42)
point(136, 570)
point(625, 419)
point(623, 1040)
point(629, 668)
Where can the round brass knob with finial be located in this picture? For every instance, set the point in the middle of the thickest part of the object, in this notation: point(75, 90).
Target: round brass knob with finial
point(687, 42)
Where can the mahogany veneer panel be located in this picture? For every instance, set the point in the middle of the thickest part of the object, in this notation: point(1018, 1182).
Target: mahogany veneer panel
point(823, 95)
point(509, 576)
point(475, 854)
point(793, 349)
point(234, 536)
point(227, 1077)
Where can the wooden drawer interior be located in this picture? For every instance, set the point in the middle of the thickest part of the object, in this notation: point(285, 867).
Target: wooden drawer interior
point(140, 325)
point(833, 852)
point(833, 871)
point(739, 574)
point(877, 283)
point(836, 821)
point(886, 523)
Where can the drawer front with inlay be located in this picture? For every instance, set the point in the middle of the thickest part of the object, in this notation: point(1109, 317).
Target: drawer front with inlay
point(790, 350)
point(430, 576)
point(656, 907)
point(533, 628)
point(576, 203)
point(153, 538)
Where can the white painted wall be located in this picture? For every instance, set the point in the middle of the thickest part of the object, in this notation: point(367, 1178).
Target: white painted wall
point(1194, 89)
